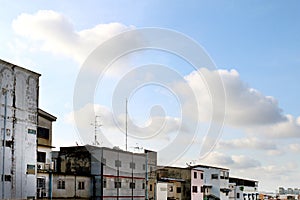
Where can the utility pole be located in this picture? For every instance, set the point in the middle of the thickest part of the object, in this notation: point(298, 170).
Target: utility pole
point(4, 91)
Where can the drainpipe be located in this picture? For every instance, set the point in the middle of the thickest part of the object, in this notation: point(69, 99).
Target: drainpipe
point(50, 185)
point(146, 168)
point(4, 91)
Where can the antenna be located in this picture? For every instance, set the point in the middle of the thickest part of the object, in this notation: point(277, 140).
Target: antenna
point(137, 147)
point(126, 123)
point(96, 125)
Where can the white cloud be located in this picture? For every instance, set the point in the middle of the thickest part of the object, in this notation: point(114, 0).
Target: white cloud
point(230, 161)
point(246, 108)
point(248, 143)
point(294, 147)
point(53, 32)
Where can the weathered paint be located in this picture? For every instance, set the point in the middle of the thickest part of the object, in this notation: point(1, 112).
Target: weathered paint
point(22, 107)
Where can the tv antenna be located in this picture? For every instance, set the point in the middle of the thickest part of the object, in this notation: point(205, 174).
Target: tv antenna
point(96, 125)
point(137, 147)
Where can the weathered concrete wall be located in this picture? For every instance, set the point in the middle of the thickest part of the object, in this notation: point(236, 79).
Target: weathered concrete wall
point(22, 106)
point(71, 186)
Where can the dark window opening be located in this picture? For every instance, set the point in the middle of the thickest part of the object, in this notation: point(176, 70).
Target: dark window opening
point(41, 157)
point(132, 185)
point(81, 185)
point(7, 178)
point(118, 185)
point(195, 174)
point(178, 189)
point(43, 133)
point(214, 176)
point(194, 189)
point(61, 184)
point(104, 183)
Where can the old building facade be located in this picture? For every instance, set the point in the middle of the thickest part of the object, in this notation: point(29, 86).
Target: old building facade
point(19, 118)
point(102, 173)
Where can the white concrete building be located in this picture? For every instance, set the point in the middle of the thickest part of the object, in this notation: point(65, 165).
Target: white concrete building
point(197, 182)
point(215, 182)
point(18, 112)
point(243, 189)
point(118, 174)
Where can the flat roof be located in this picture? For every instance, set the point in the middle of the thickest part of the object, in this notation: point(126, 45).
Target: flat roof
point(207, 166)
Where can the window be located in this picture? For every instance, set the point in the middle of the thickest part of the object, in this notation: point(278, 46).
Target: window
point(43, 133)
point(194, 189)
point(195, 174)
point(7, 178)
point(150, 187)
point(143, 186)
point(201, 175)
point(238, 195)
point(61, 184)
point(30, 169)
point(41, 183)
point(214, 176)
point(118, 183)
point(41, 157)
point(132, 165)
point(171, 189)
point(144, 167)
point(202, 189)
point(104, 182)
point(132, 185)
point(81, 185)
point(224, 175)
point(118, 163)
point(178, 189)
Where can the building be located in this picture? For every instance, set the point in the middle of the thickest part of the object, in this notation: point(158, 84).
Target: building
point(179, 183)
point(71, 177)
point(19, 122)
point(151, 160)
point(101, 173)
point(197, 183)
point(215, 182)
point(44, 148)
point(288, 193)
point(243, 189)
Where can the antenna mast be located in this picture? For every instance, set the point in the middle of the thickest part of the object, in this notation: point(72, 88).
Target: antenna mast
point(96, 125)
point(126, 123)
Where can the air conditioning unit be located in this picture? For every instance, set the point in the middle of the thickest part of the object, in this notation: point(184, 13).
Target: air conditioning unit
point(52, 165)
point(40, 166)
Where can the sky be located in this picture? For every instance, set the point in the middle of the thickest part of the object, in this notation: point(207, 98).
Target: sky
point(254, 45)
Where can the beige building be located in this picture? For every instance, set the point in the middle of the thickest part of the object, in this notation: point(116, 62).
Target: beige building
point(44, 148)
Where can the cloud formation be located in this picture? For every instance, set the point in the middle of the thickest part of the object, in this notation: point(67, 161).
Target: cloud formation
point(55, 33)
point(246, 108)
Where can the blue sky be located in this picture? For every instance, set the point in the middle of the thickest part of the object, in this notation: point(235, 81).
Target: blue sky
point(255, 43)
